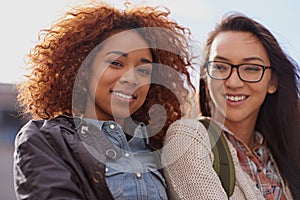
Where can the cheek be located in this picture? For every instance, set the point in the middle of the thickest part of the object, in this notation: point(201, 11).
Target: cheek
point(260, 92)
point(216, 91)
point(263, 86)
point(215, 87)
point(144, 83)
point(96, 78)
point(107, 77)
point(144, 90)
point(100, 84)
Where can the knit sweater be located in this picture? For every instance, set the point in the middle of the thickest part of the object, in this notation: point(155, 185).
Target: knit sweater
point(188, 166)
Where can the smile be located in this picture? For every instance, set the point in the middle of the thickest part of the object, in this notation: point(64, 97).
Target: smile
point(235, 98)
point(122, 95)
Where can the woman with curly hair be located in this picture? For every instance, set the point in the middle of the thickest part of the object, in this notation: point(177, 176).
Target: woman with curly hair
point(250, 91)
point(104, 85)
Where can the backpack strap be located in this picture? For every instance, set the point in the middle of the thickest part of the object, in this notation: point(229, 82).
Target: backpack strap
point(223, 163)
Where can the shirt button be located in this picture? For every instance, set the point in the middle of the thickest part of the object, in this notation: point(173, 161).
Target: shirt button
point(84, 131)
point(106, 169)
point(126, 155)
point(112, 126)
point(138, 175)
point(111, 154)
point(97, 177)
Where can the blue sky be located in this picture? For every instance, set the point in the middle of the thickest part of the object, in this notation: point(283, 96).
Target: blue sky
point(22, 20)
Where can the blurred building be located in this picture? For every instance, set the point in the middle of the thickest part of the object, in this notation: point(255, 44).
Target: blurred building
point(10, 123)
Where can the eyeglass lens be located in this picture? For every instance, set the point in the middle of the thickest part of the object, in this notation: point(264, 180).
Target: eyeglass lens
point(246, 72)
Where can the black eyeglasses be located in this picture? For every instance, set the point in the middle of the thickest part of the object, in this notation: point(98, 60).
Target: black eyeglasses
point(247, 72)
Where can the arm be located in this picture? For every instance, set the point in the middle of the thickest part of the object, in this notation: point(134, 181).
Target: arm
point(188, 163)
point(39, 170)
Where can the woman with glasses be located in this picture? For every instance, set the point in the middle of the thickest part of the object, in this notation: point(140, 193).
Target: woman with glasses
point(250, 90)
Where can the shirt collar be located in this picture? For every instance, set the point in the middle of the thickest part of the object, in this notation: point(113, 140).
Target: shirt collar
point(258, 137)
point(139, 129)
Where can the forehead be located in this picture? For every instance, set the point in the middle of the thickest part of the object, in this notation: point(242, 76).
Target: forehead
point(126, 41)
point(235, 45)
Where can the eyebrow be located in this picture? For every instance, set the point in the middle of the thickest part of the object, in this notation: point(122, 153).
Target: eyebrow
point(244, 59)
point(120, 53)
point(123, 54)
point(253, 58)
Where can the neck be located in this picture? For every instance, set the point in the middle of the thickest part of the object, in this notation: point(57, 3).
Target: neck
point(244, 130)
point(120, 122)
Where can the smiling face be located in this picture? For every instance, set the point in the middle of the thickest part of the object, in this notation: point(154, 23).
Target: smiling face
point(234, 99)
point(120, 77)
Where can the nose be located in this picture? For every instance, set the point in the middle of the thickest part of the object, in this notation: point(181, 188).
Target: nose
point(130, 78)
point(234, 80)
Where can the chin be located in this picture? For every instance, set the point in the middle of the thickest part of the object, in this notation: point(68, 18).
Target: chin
point(121, 115)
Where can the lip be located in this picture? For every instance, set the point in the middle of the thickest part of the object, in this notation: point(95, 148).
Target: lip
point(124, 96)
point(235, 99)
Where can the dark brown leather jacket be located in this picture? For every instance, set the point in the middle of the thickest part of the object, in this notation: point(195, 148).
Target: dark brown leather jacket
point(58, 159)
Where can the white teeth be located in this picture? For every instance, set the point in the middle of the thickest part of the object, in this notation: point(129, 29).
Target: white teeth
point(235, 98)
point(122, 95)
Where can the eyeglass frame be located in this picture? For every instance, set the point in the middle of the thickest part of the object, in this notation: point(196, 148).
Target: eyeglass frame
point(238, 72)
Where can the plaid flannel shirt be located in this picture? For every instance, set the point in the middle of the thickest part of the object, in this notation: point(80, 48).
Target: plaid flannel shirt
point(257, 163)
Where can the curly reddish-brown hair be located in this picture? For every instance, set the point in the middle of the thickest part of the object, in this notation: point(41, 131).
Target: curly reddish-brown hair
point(55, 61)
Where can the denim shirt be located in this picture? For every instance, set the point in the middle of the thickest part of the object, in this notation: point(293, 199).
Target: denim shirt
point(135, 174)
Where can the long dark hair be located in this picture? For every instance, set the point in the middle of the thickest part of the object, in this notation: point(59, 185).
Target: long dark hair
point(279, 117)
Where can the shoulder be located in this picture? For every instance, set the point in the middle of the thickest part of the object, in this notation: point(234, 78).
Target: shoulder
point(188, 128)
point(29, 131)
point(39, 130)
point(186, 136)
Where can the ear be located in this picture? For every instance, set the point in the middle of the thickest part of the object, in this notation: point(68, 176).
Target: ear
point(273, 84)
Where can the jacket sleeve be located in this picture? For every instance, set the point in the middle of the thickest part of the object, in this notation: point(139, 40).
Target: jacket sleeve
point(188, 163)
point(39, 170)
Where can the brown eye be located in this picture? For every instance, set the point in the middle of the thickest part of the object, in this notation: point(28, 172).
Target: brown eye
point(144, 71)
point(219, 67)
point(116, 64)
point(252, 68)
